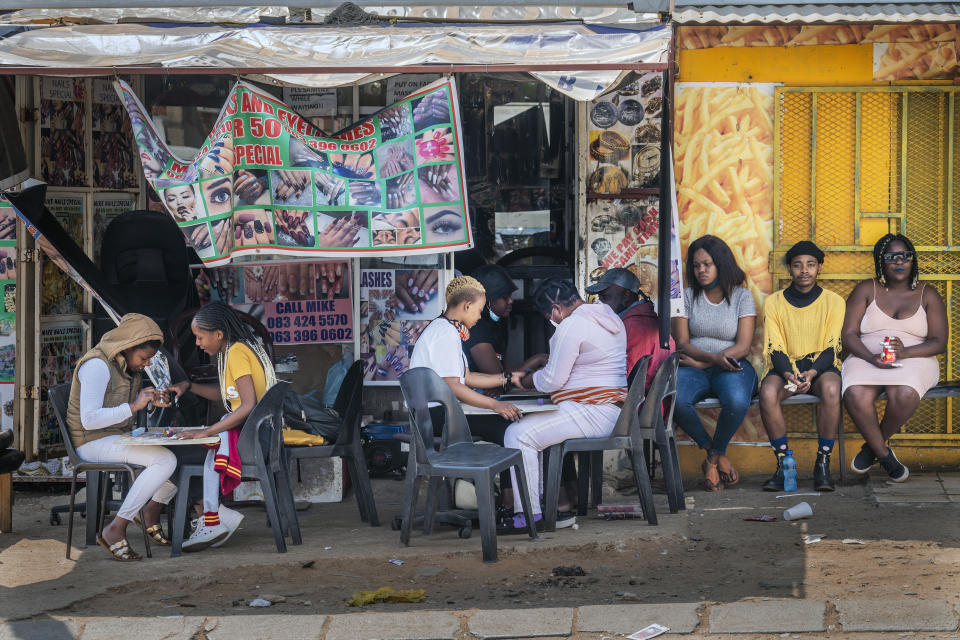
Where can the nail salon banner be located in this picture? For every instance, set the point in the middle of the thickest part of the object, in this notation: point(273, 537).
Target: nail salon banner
point(267, 182)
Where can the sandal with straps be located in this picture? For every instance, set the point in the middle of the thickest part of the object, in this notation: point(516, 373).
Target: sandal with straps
point(155, 532)
point(119, 550)
point(727, 473)
point(711, 477)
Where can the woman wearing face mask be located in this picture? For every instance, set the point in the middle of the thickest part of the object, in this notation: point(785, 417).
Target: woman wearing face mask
point(485, 352)
point(488, 338)
point(586, 377)
point(714, 337)
point(104, 397)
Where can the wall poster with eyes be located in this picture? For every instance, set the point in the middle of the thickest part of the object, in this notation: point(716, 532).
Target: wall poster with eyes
point(268, 182)
point(396, 305)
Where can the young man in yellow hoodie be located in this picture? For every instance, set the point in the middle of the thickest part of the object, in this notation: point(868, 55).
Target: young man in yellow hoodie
point(801, 349)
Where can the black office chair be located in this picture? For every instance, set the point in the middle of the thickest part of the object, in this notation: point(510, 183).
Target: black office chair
point(458, 457)
point(145, 261)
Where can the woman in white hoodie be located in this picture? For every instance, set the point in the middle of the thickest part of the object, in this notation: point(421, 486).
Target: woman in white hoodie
point(585, 377)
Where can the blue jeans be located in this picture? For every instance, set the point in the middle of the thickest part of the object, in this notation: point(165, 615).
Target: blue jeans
point(734, 389)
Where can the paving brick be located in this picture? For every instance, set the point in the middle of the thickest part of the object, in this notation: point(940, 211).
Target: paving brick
point(896, 615)
point(426, 625)
point(266, 627)
point(159, 628)
point(39, 630)
point(521, 623)
point(907, 499)
point(770, 616)
point(624, 619)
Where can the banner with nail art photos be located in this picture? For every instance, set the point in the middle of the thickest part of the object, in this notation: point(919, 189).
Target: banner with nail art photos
point(298, 302)
point(60, 294)
point(113, 164)
point(62, 132)
point(396, 305)
point(267, 182)
point(624, 140)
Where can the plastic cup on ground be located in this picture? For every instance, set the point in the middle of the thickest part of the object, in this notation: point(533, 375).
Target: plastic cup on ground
point(797, 511)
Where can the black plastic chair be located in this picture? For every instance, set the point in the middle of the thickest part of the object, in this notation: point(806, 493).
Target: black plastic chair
point(59, 398)
point(458, 457)
point(347, 445)
point(261, 430)
point(622, 437)
point(656, 427)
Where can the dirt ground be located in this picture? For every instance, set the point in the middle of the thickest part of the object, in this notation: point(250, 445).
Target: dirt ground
point(706, 553)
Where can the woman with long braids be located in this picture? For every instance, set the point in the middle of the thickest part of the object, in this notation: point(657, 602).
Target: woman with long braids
point(245, 374)
point(897, 305)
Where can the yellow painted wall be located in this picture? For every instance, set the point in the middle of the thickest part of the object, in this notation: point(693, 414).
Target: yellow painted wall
point(818, 65)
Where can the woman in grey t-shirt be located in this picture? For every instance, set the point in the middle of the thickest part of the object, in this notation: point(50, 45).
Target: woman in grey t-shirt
point(714, 337)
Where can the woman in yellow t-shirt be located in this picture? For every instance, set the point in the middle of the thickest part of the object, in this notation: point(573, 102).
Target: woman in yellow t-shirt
point(245, 375)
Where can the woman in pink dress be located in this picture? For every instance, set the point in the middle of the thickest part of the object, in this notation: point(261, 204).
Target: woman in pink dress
point(895, 305)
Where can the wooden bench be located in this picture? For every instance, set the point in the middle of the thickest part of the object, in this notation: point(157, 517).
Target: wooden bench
point(942, 390)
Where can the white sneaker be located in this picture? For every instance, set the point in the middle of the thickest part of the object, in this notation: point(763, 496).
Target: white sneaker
point(204, 535)
point(566, 519)
point(231, 520)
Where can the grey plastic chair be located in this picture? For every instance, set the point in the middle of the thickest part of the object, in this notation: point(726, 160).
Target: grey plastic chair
point(59, 398)
point(261, 459)
point(653, 425)
point(623, 437)
point(348, 445)
point(458, 457)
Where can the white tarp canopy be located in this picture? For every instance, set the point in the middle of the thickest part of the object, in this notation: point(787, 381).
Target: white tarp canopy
point(310, 55)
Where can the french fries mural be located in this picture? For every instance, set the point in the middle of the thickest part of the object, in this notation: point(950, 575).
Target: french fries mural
point(900, 52)
point(723, 165)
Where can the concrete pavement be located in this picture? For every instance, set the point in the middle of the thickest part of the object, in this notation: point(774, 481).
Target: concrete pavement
point(796, 618)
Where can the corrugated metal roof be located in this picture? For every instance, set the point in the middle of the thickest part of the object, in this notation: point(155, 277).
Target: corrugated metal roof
point(817, 13)
point(745, 11)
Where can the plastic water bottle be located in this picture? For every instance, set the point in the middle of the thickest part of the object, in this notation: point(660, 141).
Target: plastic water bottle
point(789, 472)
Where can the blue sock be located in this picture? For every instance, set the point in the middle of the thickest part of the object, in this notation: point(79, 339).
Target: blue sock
point(824, 445)
point(779, 445)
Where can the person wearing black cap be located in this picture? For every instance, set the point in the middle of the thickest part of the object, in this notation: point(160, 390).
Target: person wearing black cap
point(802, 326)
point(488, 338)
point(619, 289)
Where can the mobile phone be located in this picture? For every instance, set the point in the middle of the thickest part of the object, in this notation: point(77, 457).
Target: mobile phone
point(733, 362)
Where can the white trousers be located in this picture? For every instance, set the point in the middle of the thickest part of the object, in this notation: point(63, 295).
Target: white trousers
point(540, 430)
point(152, 483)
point(211, 479)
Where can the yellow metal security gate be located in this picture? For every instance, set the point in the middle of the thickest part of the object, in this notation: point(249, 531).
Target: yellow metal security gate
point(852, 164)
